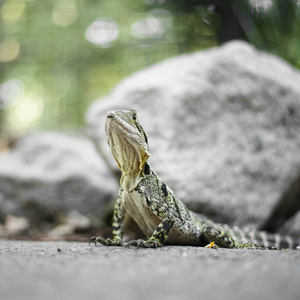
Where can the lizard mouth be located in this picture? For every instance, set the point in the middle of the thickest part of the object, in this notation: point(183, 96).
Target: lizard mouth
point(116, 125)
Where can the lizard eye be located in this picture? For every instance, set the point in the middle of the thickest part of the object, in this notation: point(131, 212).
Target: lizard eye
point(134, 117)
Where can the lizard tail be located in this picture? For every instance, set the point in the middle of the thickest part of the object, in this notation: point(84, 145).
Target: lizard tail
point(262, 238)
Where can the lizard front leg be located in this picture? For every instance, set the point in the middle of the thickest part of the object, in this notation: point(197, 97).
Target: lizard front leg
point(117, 225)
point(158, 237)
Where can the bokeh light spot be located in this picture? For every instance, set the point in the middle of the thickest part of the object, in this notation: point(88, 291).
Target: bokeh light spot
point(9, 50)
point(102, 32)
point(261, 6)
point(147, 27)
point(65, 13)
point(27, 111)
point(12, 10)
point(164, 16)
point(10, 92)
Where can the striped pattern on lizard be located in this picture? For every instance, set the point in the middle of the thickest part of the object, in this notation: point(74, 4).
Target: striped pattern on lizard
point(162, 217)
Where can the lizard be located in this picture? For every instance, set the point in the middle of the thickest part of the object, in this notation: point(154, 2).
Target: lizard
point(161, 216)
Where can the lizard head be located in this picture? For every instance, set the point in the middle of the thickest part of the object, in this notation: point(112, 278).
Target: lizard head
point(128, 144)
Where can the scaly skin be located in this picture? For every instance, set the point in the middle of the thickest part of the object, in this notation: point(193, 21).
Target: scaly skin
point(159, 213)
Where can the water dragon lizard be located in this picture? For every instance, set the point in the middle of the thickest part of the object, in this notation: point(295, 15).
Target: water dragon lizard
point(162, 217)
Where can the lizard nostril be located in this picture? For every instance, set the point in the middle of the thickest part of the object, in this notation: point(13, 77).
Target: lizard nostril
point(110, 114)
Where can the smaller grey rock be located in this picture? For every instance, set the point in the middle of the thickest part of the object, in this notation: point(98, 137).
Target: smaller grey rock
point(47, 172)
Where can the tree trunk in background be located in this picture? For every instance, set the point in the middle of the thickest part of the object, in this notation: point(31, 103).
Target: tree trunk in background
point(231, 28)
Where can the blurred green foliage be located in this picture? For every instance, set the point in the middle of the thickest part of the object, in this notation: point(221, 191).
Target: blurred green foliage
point(58, 56)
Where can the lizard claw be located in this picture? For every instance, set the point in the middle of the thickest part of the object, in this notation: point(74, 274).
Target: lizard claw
point(106, 242)
point(144, 244)
point(93, 240)
point(96, 239)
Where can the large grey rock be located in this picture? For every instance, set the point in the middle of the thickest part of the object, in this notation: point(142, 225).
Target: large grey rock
point(49, 171)
point(223, 127)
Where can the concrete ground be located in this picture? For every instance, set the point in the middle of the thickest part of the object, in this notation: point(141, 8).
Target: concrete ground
point(72, 270)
